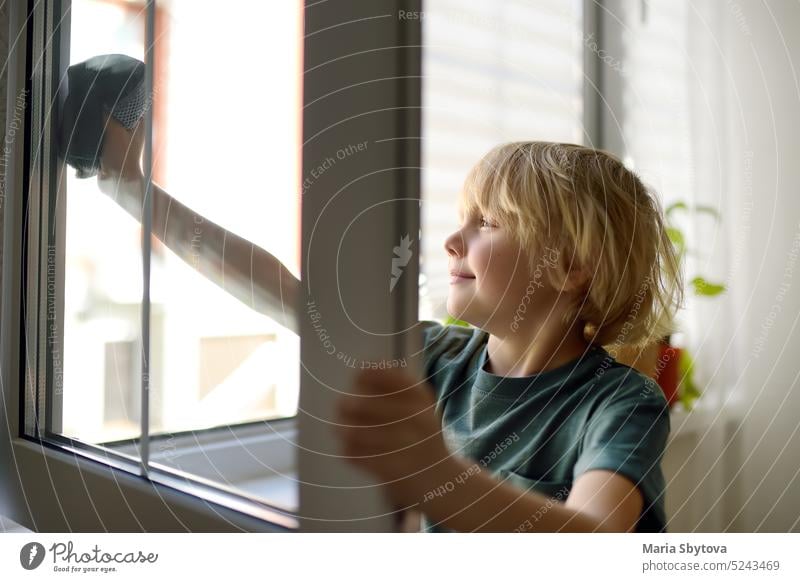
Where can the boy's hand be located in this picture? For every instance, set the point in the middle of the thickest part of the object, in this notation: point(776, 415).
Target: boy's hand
point(119, 158)
point(389, 428)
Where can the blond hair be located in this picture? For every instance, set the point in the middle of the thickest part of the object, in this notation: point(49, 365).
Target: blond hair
point(600, 217)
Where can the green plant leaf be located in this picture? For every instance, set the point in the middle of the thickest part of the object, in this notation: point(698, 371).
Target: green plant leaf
point(708, 210)
point(450, 320)
point(699, 208)
point(706, 288)
point(688, 391)
point(677, 238)
point(680, 205)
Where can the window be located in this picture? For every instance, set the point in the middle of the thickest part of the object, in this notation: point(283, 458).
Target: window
point(493, 72)
point(219, 366)
point(233, 432)
point(191, 131)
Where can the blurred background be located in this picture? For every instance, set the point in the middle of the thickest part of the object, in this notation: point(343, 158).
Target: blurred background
point(702, 100)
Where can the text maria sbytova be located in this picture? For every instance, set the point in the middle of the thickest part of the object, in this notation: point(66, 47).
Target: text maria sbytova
point(683, 549)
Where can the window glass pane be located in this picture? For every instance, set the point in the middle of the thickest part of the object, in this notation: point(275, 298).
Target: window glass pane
point(656, 112)
point(493, 72)
point(103, 267)
point(656, 116)
point(226, 164)
point(228, 146)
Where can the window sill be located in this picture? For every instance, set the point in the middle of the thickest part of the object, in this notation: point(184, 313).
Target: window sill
point(8, 526)
point(258, 459)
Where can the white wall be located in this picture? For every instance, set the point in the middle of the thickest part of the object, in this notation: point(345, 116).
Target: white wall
point(760, 48)
point(709, 112)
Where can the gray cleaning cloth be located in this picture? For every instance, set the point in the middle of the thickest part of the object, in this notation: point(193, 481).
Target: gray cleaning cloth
point(105, 84)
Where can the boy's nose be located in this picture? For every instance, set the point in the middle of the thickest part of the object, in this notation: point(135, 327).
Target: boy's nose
point(454, 244)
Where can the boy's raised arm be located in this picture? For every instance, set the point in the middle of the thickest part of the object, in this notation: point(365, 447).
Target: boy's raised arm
point(243, 269)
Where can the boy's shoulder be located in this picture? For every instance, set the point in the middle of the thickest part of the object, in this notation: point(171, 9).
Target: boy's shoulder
point(619, 383)
point(446, 343)
point(441, 336)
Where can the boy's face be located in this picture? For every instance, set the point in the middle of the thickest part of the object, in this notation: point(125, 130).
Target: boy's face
point(492, 285)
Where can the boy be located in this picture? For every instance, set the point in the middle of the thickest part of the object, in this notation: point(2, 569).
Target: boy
point(561, 250)
point(526, 423)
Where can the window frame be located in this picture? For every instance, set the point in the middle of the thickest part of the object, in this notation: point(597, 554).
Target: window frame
point(105, 487)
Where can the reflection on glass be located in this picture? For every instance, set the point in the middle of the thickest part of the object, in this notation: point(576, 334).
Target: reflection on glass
point(226, 251)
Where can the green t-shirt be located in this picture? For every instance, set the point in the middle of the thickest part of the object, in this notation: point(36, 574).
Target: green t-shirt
point(542, 431)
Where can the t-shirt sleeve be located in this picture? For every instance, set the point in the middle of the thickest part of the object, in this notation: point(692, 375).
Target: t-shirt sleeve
point(628, 437)
point(441, 345)
point(434, 336)
point(430, 331)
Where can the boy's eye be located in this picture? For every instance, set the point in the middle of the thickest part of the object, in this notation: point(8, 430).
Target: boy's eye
point(486, 223)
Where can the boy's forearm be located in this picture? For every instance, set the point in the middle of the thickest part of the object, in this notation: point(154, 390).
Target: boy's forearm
point(480, 502)
point(241, 268)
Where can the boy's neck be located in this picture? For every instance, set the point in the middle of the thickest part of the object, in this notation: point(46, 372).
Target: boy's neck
point(518, 354)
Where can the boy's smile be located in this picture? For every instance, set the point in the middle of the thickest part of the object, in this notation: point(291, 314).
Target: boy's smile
point(458, 276)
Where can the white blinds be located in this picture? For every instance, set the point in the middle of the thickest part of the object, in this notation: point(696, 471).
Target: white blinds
point(656, 111)
point(493, 72)
point(659, 134)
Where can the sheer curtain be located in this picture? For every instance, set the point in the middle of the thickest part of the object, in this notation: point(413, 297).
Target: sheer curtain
point(670, 125)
